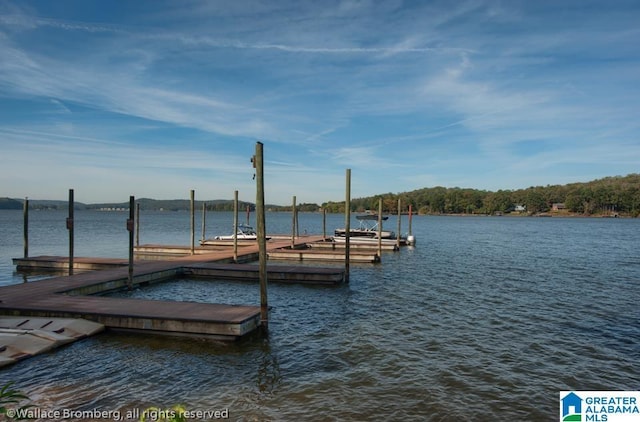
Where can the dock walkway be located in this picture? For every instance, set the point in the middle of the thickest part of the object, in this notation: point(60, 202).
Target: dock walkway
point(74, 297)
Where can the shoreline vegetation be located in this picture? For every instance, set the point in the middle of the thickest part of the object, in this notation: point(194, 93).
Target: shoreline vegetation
point(617, 196)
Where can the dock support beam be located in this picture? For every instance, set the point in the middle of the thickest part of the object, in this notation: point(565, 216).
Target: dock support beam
point(347, 225)
point(25, 214)
point(204, 219)
point(70, 228)
point(130, 229)
point(235, 226)
point(293, 223)
point(138, 224)
point(399, 228)
point(324, 223)
point(193, 221)
point(410, 215)
point(262, 245)
point(380, 228)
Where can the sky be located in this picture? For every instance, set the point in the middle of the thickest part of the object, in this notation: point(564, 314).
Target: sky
point(156, 98)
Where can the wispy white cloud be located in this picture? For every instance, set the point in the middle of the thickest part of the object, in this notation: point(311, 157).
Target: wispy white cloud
point(447, 91)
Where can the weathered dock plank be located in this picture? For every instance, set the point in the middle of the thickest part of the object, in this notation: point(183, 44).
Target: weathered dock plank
point(159, 316)
point(275, 273)
point(47, 262)
point(58, 297)
point(322, 255)
point(354, 246)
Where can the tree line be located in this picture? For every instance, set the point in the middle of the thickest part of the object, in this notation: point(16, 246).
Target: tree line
point(610, 195)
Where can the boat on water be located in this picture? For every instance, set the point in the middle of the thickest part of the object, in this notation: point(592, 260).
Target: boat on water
point(368, 228)
point(243, 233)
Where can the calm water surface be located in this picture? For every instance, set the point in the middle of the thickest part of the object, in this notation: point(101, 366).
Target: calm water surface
point(487, 318)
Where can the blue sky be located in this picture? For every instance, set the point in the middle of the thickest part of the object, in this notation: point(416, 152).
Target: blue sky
point(153, 98)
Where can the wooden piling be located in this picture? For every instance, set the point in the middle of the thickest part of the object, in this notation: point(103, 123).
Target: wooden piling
point(193, 221)
point(235, 226)
point(293, 222)
point(324, 223)
point(204, 219)
point(70, 228)
point(410, 215)
point(137, 224)
point(262, 243)
point(347, 224)
point(130, 229)
point(380, 228)
point(399, 217)
point(25, 214)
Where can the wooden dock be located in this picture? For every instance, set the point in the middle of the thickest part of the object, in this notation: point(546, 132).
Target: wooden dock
point(76, 296)
point(354, 246)
point(60, 263)
point(323, 255)
point(275, 273)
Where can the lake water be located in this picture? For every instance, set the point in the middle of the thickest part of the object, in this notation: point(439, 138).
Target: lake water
point(487, 318)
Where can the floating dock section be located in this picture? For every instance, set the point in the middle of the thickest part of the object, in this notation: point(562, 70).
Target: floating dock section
point(23, 337)
point(75, 297)
point(78, 296)
point(275, 273)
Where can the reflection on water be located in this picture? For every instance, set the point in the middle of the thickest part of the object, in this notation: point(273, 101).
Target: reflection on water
point(485, 319)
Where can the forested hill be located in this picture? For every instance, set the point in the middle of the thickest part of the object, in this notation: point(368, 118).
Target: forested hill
point(611, 195)
point(10, 204)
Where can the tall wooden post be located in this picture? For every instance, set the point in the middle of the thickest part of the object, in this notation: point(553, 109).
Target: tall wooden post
point(235, 226)
point(324, 223)
point(204, 219)
point(293, 223)
point(347, 225)
point(25, 214)
point(70, 228)
point(399, 217)
point(262, 245)
point(138, 224)
point(130, 229)
point(380, 228)
point(193, 221)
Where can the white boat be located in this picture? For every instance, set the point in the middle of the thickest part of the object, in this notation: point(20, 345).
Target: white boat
point(243, 233)
point(368, 228)
point(369, 241)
